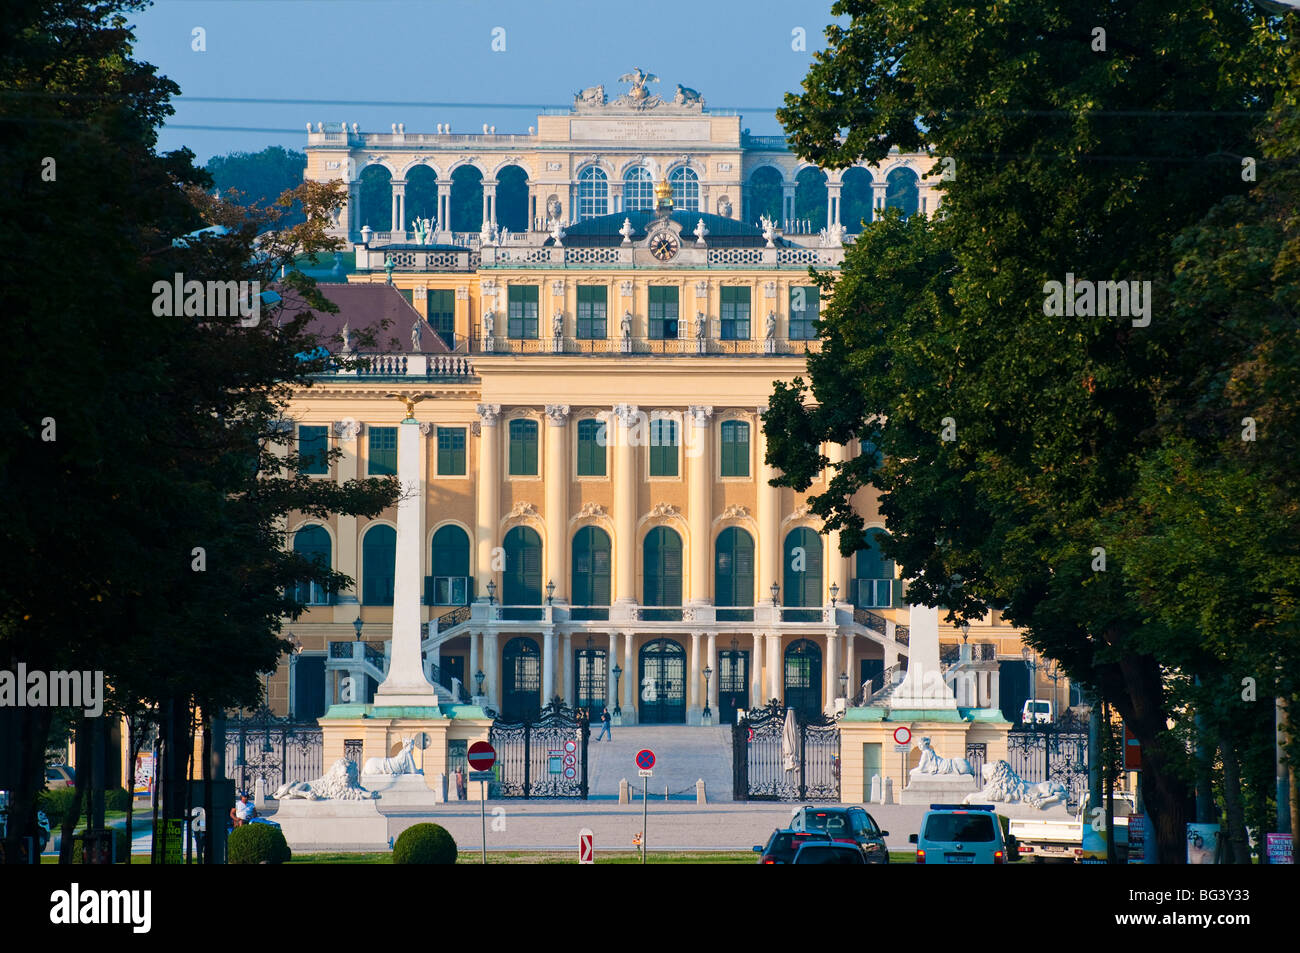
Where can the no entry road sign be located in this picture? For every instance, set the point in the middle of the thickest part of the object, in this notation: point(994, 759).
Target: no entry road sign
point(645, 759)
point(902, 735)
point(481, 756)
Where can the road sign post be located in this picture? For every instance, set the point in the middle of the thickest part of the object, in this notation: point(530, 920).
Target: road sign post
point(586, 846)
point(645, 761)
point(902, 744)
point(481, 757)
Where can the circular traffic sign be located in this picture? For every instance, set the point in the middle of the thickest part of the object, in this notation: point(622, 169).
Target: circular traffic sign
point(645, 759)
point(570, 746)
point(902, 735)
point(482, 756)
point(570, 773)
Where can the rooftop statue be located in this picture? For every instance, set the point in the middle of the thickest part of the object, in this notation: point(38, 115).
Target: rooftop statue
point(687, 96)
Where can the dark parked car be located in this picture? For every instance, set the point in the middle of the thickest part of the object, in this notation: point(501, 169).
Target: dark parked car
point(823, 852)
point(783, 845)
point(845, 825)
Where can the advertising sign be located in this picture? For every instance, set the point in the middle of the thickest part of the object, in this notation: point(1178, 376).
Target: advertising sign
point(1280, 849)
point(1201, 841)
point(1137, 832)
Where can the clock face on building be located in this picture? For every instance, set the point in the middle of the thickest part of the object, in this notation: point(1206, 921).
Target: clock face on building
point(663, 246)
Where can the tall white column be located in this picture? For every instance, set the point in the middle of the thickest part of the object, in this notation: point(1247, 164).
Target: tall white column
point(923, 687)
point(850, 664)
point(548, 665)
point(625, 507)
point(878, 195)
point(700, 476)
point(769, 521)
point(832, 671)
point(406, 683)
point(630, 682)
point(570, 674)
point(488, 489)
point(474, 662)
point(444, 206)
point(489, 206)
point(347, 432)
point(693, 682)
point(610, 661)
point(713, 681)
point(756, 698)
point(556, 475)
point(491, 669)
point(775, 668)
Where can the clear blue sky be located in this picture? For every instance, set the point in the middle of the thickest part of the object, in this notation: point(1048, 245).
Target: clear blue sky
point(737, 53)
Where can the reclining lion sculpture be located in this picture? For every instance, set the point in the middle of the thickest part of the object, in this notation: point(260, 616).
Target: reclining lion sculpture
point(338, 783)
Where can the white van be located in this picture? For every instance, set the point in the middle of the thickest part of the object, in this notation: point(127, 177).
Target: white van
point(1038, 710)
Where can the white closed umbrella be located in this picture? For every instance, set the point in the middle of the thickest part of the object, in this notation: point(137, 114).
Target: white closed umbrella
point(790, 742)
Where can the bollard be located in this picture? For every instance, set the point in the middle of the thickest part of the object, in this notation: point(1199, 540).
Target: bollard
point(875, 789)
point(887, 793)
point(699, 792)
point(624, 792)
point(259, 798)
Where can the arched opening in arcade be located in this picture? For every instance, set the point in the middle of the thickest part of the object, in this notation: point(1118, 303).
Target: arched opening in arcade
point(903, 192)
point(809, 201)
point(375, 199)
point(856, 194)
point(421, 195)
point(466, 199)
point(512, 199)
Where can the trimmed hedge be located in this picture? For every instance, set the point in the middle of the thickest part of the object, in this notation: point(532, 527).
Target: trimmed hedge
point(56, 804)
point(119, 836)
point(425, 844)
point(257, 844)
point(116, 800)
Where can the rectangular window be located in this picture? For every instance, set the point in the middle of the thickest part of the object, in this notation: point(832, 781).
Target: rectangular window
point(522, 313)
point(735, 314)
point(451, 451)
point(663, 447)
point(442, 315)
point(805, 305)
point(591, 448)
point(592, 317)
point(313, 444)
point(382, 454)
point(523, 448)
point(663, 313)
point(735, 448)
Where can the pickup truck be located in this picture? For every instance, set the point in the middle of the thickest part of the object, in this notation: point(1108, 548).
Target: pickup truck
point(1052, 838)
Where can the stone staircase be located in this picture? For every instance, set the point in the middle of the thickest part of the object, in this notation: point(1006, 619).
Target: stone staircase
point(682, 755)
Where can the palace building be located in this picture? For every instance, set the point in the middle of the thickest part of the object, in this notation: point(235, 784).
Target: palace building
point(588, 320)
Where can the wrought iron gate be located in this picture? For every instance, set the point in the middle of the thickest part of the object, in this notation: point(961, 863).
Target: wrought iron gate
point(1056, 751)
point(770, 764)
point(542, 758)
point(276, 749)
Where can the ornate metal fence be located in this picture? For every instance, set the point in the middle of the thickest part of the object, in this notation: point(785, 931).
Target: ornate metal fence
point(275, 749)
point(542, 758)
point(770, 763)
point(1056, 751)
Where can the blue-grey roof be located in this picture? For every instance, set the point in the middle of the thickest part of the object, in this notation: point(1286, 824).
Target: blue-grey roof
point(604, 229)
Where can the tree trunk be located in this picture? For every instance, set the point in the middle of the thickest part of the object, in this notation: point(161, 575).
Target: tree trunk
point(1238, 845)
point(24, 733)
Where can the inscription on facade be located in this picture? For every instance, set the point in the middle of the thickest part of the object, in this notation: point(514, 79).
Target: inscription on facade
point(642, 130)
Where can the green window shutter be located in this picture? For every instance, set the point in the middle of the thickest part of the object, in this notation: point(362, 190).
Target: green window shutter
point(591, 455)
point(378, 559)
point(523, 448)
point(734, 314)
point(663, 567)
point(735, 448)
point(592, 315)
point(313, 445)
point(803, 587)
point(382, 452)
point(451, 451)
point(591, 565)
point(802, 318)
point(663, 447)
point(441, 309)
point(408, 295)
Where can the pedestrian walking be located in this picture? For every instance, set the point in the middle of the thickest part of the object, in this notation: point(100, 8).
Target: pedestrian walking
point(460, 783)
point(605, 722)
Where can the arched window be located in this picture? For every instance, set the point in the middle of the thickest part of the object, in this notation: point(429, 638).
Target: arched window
point(663, 568)
point(803, 568)
point(593, 193)
point(903, 191)
point(378, 558)
point(856, 194)
point(522, 579)
point(875, 574)
point(466, 199)
point(591, 563)
point(638, 190)
point(421, 195)
point(686, 189)
point(733, 578)
point(448, 583)
point(313, 544)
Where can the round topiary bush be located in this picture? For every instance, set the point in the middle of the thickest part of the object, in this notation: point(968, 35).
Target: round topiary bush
point(56, 804)
point(257, 844)
point(122, 845)
point(116, 800)
point(425, 844)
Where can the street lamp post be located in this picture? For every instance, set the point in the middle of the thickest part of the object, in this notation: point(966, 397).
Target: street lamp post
point(708, 713)
point(844, 685)
point(618, 673)
point(550, 590)
point(492, 591)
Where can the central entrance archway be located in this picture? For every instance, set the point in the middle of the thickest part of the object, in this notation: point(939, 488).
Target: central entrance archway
point(521, 680)
point(662, 685)
point(803, 678)
point(733, 683)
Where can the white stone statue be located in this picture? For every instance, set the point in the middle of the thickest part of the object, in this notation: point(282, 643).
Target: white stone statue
point(346, 336)
point(932, 763)
point(557, 324)
point(823, 239)
point(699, 325)
point(340, 783)
point(417, 229)
point(485, 234)
point(769, 330)
point(626, 231)
point(837, 235)
point(591, 96)
point(701, 231)
point(1003, 785)
point(401, 763)
point(455, 688)
point(489, 325)
point(769, 230)
point(557, 232)
point(724, 206)
point(686, 96)
point(417, 333)
point(625, 325)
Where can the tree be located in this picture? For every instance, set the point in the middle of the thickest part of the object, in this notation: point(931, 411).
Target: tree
point(260, 178)
point(139, 446)
point(1011, 431)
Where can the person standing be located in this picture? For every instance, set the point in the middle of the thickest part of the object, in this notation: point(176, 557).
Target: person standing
point(605, 722)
